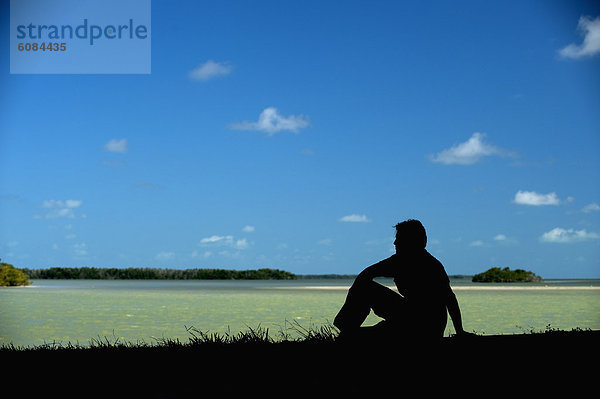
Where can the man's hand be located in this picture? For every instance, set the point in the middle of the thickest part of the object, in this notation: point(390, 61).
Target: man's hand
point(465, 334)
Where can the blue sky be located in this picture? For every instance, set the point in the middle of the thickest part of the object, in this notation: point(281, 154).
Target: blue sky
point(294, 135)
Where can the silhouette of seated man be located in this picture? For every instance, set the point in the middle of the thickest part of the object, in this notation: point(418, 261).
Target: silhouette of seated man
point(420, 310)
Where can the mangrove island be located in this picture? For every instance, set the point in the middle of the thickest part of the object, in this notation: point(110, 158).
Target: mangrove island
point(10, 276)
point(498, 275)
point(136, 273)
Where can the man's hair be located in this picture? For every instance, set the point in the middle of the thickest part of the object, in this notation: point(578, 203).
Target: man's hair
point(412, 232)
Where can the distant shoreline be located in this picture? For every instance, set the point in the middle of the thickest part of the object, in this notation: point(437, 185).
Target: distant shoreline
point(207, 274)
point(150, 273)
point(344, 284)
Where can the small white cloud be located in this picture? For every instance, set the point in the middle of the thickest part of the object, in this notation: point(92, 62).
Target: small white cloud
point(241, 244)
point(209, 70)
point(271, 122)
point(227, 241)
point(469, 152)
point(535, 199)
point(205, 255)
point(503, 239)
point(73, 203)
point(593, 207)
point(248, 229)
point(60, 208)
point(325, 241)
point(477, 243)
point(591, 40)
point(355, 218)
point(163, 256)
point(560, 235)
point(80, 249)
point(215, 239)
point(115, 145)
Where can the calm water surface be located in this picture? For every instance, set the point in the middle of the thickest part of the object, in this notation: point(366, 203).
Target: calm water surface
point(79, 310)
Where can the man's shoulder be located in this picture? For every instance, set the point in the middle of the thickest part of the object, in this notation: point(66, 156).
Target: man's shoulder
point(432, 258)
point(434, 262)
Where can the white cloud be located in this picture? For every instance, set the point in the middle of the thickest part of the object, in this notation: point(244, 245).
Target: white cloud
point(60, 208)
point(210, 70)
point(205, 255)
point(73, 203)
point(164, 255)
point(80, 249)
point(560, 235)
point(355, 218)
point(227, 241)
point(593, 207)
point(325, 241)
point(477, 243)
point(535, 199)
point(503, 239)
point(248, 229)
point(469, 152)
point(215, 239)
point(241, 244)
point(115, 145)
point(271, 122)
point(591, 40)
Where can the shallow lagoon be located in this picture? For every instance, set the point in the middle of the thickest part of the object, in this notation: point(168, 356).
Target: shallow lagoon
point(142, 310)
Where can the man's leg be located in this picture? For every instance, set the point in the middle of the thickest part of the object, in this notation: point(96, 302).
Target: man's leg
point(364, 296)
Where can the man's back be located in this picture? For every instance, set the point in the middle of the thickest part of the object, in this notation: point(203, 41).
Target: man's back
point(423, 282)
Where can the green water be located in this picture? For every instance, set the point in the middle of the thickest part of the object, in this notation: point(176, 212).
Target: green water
point(79, 310)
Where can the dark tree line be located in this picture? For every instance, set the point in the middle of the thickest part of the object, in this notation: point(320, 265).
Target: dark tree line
point(498, 275)
point(10, 276)
point(136, 273)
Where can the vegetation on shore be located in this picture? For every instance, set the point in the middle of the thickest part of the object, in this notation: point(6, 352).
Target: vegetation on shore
point(294, 334)
point(10, 276)
point(135, 273)
point(325, 276)
point(498, 275)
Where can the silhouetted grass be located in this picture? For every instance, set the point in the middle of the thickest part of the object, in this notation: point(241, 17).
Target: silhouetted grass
point(305, 359)
point(293, 332)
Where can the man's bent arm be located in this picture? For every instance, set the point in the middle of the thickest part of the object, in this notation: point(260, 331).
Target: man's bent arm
point(380, 269)
point(454, 311)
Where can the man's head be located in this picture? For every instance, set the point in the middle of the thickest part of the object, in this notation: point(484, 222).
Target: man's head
point(410, 236)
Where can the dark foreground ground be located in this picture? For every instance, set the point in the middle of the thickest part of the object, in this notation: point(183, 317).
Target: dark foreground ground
point(536, 364)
